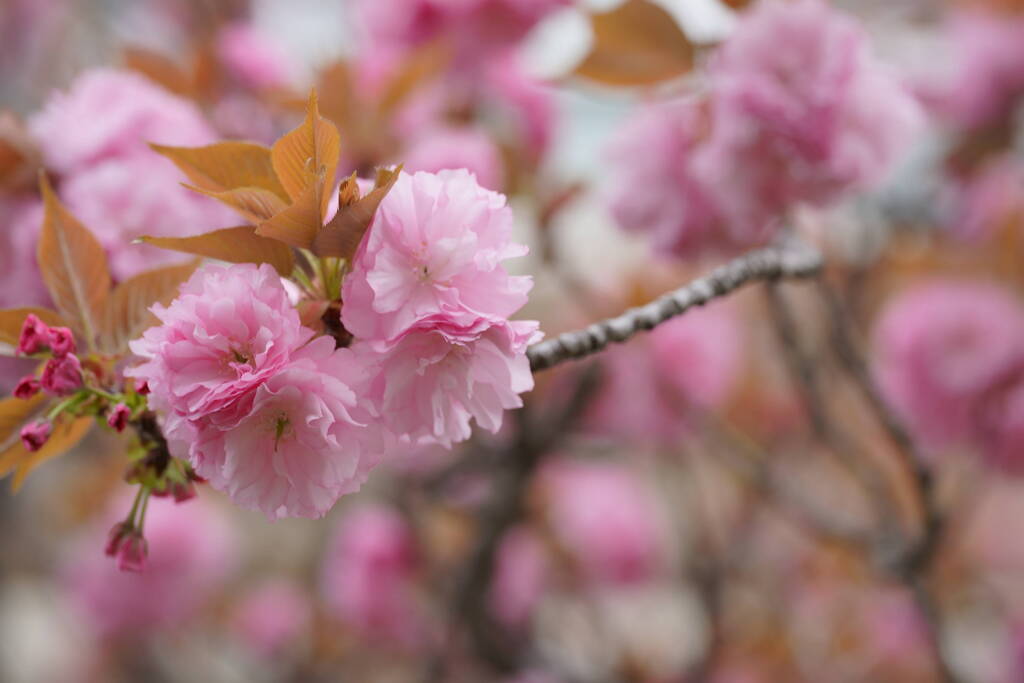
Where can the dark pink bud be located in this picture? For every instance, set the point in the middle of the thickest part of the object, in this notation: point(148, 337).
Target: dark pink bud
point(62, 376)
point(131, 554)
point(35, 434)
point(118, 417)
point(35, 335)
point(182, 492)
point(61, 341)
point(28, 386)
point(143, 388)
point(116, 537)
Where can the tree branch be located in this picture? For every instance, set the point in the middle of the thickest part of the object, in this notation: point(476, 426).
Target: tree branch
point(768, 264)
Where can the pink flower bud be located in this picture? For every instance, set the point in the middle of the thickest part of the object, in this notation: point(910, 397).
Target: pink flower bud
point(182, 492)
point(61, 341)
point(131, 555)
point(116, 537)
point(118, 417)
point(27, 387)
point(62, 376)
point(35, 434)
point(142, 389)
point(35, 335)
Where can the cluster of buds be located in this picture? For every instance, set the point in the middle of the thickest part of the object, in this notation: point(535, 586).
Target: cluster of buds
point(61, 375)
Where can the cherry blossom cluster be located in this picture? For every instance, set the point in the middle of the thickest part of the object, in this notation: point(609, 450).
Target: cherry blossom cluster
point(285, 421)
point(798, 112)
point(61, 375)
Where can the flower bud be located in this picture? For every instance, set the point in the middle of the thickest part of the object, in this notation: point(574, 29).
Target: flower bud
point(62, 376)
point(61, 341)
point(35, 336)
point(116, 537)
point(132, 552)
point(35, 434)
point(182, 491)
point(27, 387)
point(142, 388)
point(118, 417)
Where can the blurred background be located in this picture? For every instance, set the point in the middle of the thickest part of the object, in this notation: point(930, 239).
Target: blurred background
point(730, 498)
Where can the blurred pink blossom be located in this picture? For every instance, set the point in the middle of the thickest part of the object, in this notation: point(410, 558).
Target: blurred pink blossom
point(34, 434)
point(107, 114)
point(941, 347)
point(989, 51)
point(254, 58)
point(520, 576)
point(62, 375)
point(20, 281)
point(605, 517)
point(368, 574)
point(272, 616)
point(690, 362)
point(449, 147)
point(191, 550)
point(987, 200)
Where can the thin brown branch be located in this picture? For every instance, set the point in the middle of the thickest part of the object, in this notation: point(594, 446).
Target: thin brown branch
point(769, 264)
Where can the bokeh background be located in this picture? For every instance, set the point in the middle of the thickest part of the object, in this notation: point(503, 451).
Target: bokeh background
point(720, 500)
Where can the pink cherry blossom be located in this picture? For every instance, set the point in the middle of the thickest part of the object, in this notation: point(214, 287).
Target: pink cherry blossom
point(453, 148)
point(299, 445)
point(520, 576)
point(62, 375)
point(685, 366)
point(989, 53)
point(253, 57)
point(438, 376)
point(108, 113)
point(436, 246)
point(20, 281)
point(62, 341)
point(1000, 428)
point(272, 616)
point(121, 199)
point(606, 519)
point(368, 575)
point(230, 329)
point(941, 347)
point(118, 417)
point(190, 551)
point(34, 336)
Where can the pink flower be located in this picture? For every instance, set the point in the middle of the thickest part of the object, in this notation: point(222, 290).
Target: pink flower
point(940, 348)
point(659, 191)
point(35, 335)
point(20, 281)
point(801, 112)
point(685, 366)
point(27, 387)
point(121, 199)
point(118, 417)
point(254, 58)
point(989, 52)
point(62, 341)
point(439, 375)
point(1001, 426)
point(230, 329)
point(606, 519)
point(190, 550)
point(113, 114)
point(299, 445)
point(444, 148)
point(272, 616)
point(62, 375)
point(369, 573)
point(988, 200)
point(520, 576)
point(34, 435)
point(436, 246)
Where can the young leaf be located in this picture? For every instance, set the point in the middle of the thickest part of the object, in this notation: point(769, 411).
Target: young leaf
point(637, 43)
point(299, 223)
point(14, 412)
point(65, 436)
point(19, 154)
point(12, 319)
point(253, 203)
point(127, 314)
point(73, 265)
point(234, 245)
point(225, 166)
point(308, 156)
point(342, 236)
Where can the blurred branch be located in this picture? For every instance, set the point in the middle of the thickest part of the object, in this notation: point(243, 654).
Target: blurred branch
point(469, 603)
point(768, 264)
